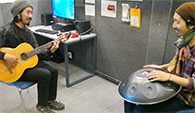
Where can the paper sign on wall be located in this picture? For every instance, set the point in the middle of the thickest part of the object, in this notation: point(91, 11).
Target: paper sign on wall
point(108, 8)
point(125, 12)
point(135, 17)
point(90, 1)
point(90, 10)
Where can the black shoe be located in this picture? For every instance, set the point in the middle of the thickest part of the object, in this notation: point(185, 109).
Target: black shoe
point(44, 109)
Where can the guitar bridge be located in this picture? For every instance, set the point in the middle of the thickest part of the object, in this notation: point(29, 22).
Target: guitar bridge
point(8, 67)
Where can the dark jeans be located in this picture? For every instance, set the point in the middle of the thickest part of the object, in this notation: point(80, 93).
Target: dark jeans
point(46, 78)
point(170, 106)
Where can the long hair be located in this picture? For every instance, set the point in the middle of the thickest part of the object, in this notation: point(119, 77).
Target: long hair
point(16, 19)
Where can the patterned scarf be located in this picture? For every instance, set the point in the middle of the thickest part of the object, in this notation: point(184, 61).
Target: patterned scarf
point(183, 53)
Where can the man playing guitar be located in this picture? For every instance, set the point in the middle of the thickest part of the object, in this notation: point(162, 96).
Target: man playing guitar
point(15, 33)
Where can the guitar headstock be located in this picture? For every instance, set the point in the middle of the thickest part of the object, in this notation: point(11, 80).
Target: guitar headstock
point(63, 37)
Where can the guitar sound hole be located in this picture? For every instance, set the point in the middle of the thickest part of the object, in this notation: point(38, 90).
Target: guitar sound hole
point(24, 56)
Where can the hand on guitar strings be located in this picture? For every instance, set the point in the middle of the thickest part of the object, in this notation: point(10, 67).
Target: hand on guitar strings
point(11, 59)
point(55, 46)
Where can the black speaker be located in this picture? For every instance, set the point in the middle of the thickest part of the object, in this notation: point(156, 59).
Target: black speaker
point(46, 19)
point(83, 27)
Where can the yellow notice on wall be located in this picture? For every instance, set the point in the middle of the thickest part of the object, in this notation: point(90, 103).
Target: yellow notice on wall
point(135, 17)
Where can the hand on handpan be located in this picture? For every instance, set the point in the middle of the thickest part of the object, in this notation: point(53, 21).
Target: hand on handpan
point(157, 75)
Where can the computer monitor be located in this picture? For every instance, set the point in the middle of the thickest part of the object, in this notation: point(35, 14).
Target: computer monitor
point(64, 9)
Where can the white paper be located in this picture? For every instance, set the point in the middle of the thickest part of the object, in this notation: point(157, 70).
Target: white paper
point(90, 1)
point(125, 12)
point(105, 11)
point(135, 0)
point(134, 21)
point(6, 1)
point(90, 10)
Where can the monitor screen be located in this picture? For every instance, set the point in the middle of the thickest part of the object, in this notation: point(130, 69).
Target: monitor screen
point(64, 9)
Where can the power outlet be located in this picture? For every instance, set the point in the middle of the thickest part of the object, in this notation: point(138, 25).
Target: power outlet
point(70, 55)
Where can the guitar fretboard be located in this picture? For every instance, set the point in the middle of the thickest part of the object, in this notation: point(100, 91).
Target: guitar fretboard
point(39, 49)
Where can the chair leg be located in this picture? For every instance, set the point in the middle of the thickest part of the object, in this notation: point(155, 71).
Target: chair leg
point(22, 100)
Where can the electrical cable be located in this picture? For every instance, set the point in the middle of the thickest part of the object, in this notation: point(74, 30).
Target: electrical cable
point(87, 30)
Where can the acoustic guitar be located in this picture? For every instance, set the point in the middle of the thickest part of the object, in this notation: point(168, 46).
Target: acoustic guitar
point(27, 58)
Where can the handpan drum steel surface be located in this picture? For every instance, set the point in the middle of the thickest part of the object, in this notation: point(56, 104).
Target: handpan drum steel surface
point(138, 89)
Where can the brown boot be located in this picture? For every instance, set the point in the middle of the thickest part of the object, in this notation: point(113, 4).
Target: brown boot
point(44, 109)
point(55, 105)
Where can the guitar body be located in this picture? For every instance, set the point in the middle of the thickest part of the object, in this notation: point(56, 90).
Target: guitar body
point(9, 73)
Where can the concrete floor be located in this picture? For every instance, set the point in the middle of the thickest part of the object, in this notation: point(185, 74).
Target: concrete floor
point(94, 95)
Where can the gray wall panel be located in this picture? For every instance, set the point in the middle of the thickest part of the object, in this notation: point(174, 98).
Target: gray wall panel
point(1, 17)
point(6, 14)
point(43, 6)
point(121, 48)
point(158, 31)
point(35, 10)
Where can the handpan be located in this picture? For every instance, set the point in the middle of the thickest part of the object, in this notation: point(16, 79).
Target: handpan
point(138, 89)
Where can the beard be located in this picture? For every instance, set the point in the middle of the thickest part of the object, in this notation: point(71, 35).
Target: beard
point(27, 19)
point(28, 24)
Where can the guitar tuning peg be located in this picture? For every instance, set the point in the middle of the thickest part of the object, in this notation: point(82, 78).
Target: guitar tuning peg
point(63, 37)
point(59, 33)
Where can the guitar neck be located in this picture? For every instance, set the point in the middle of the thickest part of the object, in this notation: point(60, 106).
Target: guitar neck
point(39, 49)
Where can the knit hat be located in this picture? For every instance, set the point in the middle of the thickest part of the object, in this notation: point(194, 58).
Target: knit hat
point(187, 12)
point(19, 5)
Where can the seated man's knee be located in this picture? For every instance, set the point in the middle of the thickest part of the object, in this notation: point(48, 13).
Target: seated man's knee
point(45, 74)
